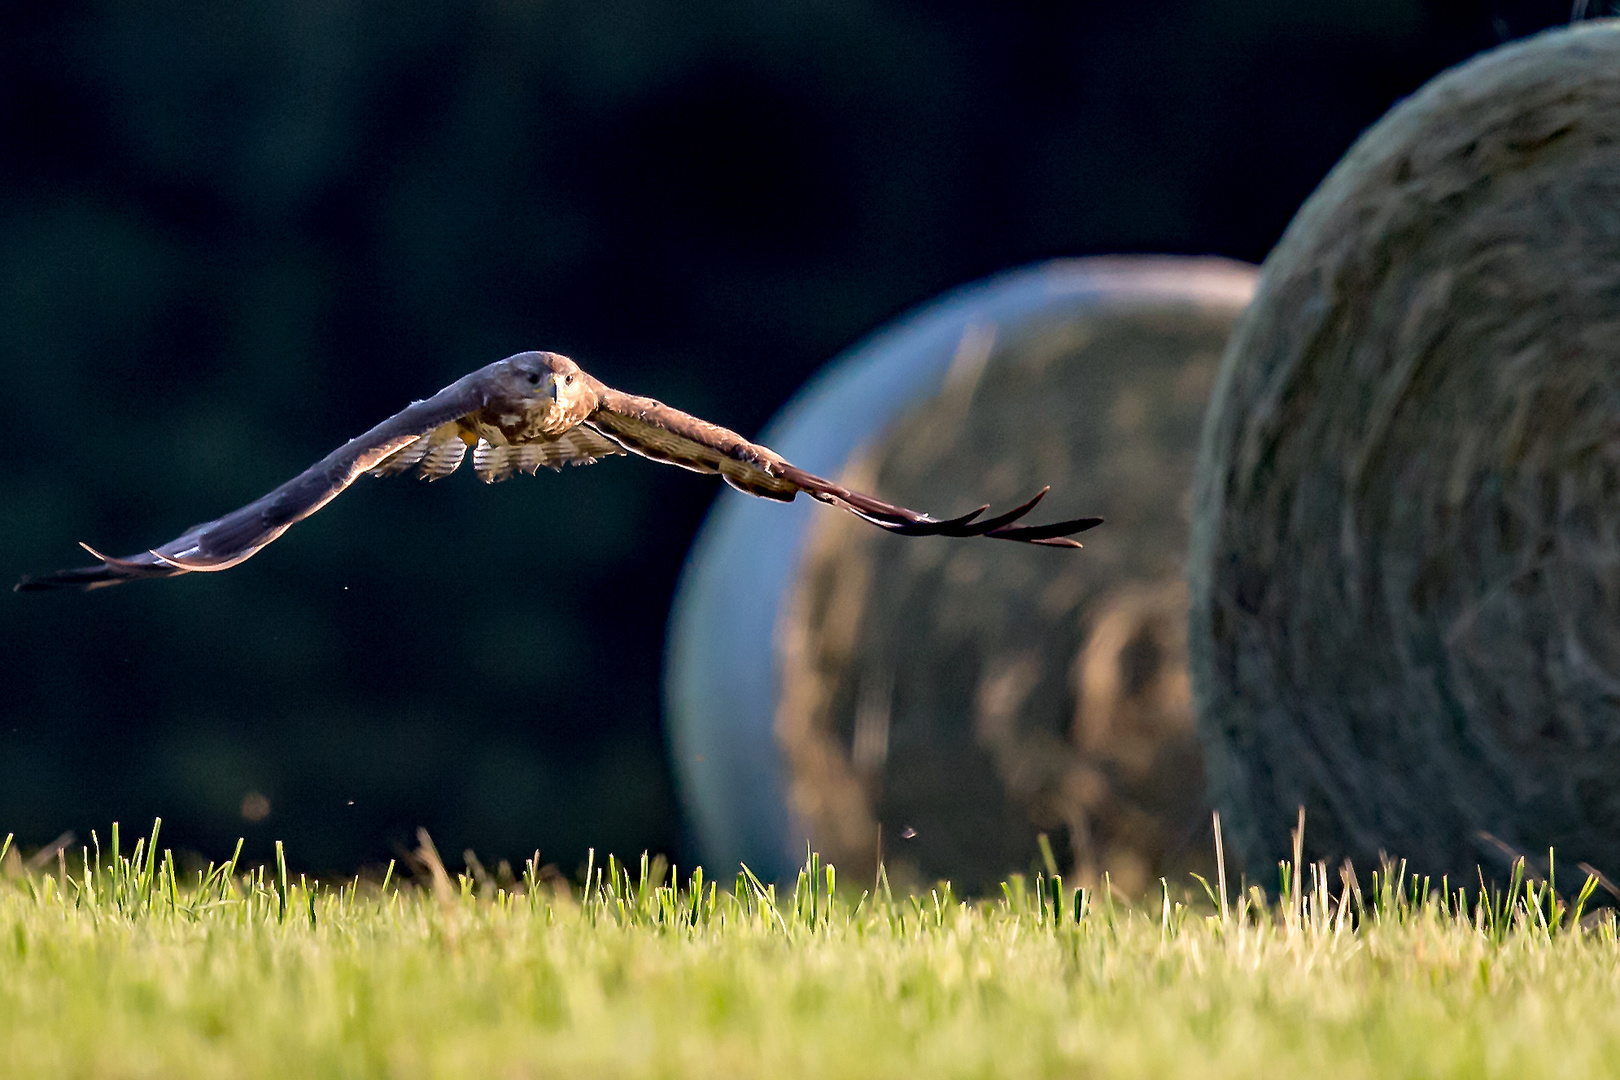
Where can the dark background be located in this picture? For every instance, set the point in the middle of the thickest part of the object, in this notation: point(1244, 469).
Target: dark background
point(234, 235)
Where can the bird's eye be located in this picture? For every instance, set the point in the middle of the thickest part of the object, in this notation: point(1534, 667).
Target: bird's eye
point(569, 380)
point(534, 380)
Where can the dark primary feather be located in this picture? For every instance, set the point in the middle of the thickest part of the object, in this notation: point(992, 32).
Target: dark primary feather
point(499, 412)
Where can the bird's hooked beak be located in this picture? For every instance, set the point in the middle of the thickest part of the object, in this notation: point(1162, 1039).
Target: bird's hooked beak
point(553, 387)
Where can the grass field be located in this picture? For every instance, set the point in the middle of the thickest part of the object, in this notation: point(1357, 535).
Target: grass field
point(114, 964)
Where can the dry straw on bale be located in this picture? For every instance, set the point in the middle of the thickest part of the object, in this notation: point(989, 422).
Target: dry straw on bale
point(971, 696)
point(1406, 556)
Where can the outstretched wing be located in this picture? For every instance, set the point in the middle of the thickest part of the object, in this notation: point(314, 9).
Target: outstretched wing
point(226, 541)
point(656, 431)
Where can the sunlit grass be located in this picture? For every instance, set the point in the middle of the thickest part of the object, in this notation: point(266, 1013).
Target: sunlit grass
point(119, 965)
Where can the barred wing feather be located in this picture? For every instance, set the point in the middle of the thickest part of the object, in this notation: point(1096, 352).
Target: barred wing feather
point(577, 446)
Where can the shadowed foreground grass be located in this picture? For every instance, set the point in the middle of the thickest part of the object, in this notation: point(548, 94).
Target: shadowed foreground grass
point(116, 965)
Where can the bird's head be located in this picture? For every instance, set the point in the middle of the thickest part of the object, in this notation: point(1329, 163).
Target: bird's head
point(556, 385)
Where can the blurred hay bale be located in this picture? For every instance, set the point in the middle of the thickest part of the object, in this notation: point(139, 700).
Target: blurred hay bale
point(720, 687)
point(969, 696)
point(1406, 562)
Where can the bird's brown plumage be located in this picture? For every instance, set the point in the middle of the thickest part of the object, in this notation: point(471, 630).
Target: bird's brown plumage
point(515, 415)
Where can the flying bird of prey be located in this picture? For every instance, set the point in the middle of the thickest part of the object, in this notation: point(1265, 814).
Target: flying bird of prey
point(529, 410)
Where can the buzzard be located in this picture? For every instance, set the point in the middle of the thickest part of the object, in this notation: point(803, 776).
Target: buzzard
point(529, 410)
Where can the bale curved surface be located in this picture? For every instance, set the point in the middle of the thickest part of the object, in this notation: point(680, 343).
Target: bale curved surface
point(1405, 567)
point(722, 683)
point(968, 697)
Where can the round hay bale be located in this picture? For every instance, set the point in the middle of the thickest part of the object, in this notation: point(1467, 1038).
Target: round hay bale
point(721, 675)
point(1405, 568)
point(963, 698)
point(720, 688)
